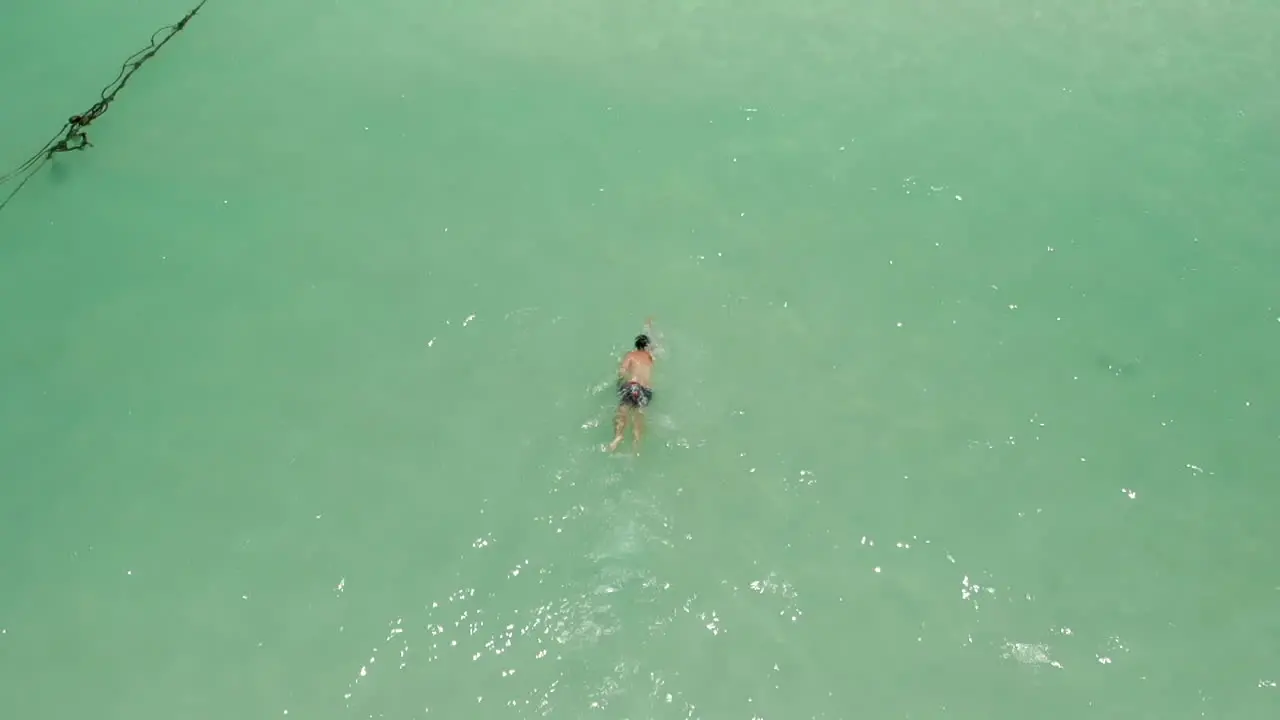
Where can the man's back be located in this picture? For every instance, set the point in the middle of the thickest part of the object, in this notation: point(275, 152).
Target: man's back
point(637, 366)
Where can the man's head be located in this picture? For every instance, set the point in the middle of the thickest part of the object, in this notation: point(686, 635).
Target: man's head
point(642, 342)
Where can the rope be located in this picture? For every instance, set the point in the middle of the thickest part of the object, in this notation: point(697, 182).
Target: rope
point(73, 135)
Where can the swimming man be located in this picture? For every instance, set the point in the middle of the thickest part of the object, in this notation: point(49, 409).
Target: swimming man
point(635, 390)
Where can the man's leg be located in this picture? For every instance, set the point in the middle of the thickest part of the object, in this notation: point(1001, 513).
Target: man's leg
point(619, 425)
point(637, 428)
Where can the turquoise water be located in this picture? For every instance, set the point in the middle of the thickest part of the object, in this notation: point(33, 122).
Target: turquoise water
point(967, 406)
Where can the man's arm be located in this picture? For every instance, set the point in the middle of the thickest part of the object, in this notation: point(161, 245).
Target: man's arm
point(655, 340)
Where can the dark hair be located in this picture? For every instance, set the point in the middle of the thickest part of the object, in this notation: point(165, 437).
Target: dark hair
point(642, 342)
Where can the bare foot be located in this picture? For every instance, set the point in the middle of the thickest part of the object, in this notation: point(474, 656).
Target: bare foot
point(614, 445)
